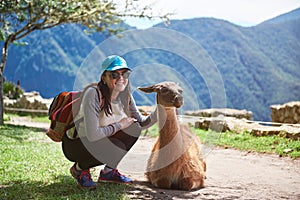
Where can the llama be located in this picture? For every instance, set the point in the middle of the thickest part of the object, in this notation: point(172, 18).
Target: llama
point(175, 161)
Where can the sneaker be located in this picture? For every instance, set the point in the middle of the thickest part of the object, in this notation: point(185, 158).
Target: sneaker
point(113, 176)
point(83, 177)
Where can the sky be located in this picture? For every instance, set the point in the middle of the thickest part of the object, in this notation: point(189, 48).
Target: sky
point(240, 12)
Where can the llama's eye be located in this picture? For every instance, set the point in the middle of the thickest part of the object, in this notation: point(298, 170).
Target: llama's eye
point(164, 90)
point(180, 91)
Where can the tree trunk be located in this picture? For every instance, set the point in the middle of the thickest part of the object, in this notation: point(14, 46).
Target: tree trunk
point(2, 67)
point(1, 99)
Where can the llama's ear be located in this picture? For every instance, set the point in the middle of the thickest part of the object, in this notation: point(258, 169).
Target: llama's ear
point(148, 89)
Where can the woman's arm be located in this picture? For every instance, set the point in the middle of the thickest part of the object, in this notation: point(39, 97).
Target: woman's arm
point(91, 109)
point(144, 121)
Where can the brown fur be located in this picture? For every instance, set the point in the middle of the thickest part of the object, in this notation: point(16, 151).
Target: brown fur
point(175, 162)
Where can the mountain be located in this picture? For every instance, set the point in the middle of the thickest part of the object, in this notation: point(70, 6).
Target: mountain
point(254, 67)
point(259, 65)
point(292, 15)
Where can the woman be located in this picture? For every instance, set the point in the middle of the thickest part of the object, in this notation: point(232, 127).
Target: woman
point(111, 126)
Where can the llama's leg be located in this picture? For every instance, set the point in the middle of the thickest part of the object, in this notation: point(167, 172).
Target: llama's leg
point(186, 184)
point(163, 183)
point(190, 183)
point(204, 164)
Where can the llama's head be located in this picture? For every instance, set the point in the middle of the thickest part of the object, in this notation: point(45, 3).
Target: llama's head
point(169, 94)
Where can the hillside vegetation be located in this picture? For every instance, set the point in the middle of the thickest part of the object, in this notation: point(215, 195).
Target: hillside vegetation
point(259, 65)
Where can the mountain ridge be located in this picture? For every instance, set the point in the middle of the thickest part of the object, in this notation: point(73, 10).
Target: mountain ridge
point(259, 65)
point(292, 15)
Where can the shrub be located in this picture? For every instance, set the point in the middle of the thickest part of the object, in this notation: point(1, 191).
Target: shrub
point(11, 90)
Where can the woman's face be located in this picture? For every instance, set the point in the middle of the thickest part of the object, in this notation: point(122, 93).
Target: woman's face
point(116, 80)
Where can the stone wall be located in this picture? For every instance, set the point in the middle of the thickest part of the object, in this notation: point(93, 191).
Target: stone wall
point(238, 121)
point(227, 112)
point(29, 103)
point(287, 113)
point(223, 124)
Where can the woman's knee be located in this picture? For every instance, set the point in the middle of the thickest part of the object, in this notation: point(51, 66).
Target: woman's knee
point(119, 143)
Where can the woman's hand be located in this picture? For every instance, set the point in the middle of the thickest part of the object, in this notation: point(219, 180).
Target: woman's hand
point(126, 122)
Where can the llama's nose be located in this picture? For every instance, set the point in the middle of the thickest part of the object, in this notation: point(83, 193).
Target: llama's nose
point(178, 101)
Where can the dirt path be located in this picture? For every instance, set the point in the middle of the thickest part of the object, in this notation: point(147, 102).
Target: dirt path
point(231, 174)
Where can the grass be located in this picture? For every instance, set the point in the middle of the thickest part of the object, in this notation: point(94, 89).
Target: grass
point(41, 119)
point(33, 167)
point(45, 119)
point(6, 117)
point(247, 142)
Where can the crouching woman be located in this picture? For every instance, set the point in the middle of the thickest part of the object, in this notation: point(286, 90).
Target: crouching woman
point(111, 126)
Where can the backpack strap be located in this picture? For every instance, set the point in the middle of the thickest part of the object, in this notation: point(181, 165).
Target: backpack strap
point(71, 125)
point(76, 123)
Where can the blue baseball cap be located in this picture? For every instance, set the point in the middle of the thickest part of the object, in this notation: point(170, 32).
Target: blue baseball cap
point(114, 62)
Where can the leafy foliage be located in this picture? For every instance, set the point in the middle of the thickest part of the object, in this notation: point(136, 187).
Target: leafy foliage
point(11, 90)
point(20, 17)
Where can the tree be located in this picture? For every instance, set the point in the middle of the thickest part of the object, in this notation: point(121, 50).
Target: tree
point(19, 18)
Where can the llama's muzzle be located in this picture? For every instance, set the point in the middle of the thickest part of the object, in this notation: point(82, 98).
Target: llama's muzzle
point(178, 101)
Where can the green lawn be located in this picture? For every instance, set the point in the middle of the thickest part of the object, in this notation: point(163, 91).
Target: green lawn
point(33, 167)
point(45, 119)
point(246, 141)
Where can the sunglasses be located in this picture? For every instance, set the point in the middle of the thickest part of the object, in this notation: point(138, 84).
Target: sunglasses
point(117, 75)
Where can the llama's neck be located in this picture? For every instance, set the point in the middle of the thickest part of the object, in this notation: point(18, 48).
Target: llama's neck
point(168, 124)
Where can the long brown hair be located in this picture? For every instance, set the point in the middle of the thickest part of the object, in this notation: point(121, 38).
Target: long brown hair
point(124, 96)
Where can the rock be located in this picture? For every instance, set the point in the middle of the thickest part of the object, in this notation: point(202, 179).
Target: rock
point(215, 124)
point(242, 125)
point(29, 102)
point(287, 150)
point(286, 113)
point(146, 110)
point(227, 112)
